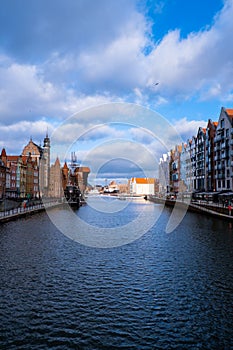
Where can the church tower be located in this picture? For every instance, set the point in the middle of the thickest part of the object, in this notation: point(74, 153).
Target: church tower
point(46, 164)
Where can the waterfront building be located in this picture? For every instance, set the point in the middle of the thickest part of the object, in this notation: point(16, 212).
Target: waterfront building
point(123, 188)
point(175, 169)
point(189, 166)
point(22, 176)
point(2, 179)
point(40, 155)
point(164, 174)
point(142, 186)
point(184, 164)
point(76, 175)
point(55, 189)
point(34, 150)
point(45, 166)
point(12, 162)
point(223, 151)
point(82, 173)
point(5, 173)
point(205, 163)
point(65, 175)
point(200, 166)
point(192, 170)
point(32, 177)
point(210, 162)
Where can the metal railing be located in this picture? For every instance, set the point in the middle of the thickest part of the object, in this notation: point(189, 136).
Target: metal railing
point(28, 209)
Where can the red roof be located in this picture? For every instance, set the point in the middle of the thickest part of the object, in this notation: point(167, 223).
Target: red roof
point(230, 112)
point(12, 158)
point(143, 180)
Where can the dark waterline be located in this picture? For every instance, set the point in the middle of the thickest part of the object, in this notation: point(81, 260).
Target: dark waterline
point(163, 291)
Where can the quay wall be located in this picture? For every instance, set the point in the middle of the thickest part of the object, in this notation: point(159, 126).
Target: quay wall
point(16, 213)
point(209, 209)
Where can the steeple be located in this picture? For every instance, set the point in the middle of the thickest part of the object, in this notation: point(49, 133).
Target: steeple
point(46, 166)
point(47, 140)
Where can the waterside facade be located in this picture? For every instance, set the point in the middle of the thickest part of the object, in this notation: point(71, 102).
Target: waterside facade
point(204, 163)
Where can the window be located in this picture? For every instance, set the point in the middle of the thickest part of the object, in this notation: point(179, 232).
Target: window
point(222, 123)
point(227, 132)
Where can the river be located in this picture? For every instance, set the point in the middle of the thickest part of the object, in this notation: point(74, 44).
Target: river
point(160, 291)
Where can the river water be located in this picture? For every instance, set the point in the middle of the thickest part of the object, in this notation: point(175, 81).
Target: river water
point(161, 291)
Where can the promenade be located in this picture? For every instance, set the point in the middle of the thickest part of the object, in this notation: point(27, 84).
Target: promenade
point(21, 212)
point(208, 208)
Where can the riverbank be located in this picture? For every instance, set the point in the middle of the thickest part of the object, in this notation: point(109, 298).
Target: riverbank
point(210, 209)
point(21, 212)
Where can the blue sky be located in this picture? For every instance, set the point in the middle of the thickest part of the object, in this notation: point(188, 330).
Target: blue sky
point(61, 57)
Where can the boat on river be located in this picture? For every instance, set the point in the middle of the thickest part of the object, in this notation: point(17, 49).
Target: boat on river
point(73, 196)
point(93, 192)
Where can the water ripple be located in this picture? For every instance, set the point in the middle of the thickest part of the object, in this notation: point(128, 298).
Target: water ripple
point(163, 291)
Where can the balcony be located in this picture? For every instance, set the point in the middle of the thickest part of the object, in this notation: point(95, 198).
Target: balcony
point(223, 155)
point(218, 138)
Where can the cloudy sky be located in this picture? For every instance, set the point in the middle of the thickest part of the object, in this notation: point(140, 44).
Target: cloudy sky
point(59, 58)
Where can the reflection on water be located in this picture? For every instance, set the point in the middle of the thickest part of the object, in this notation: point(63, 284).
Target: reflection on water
point(162, 291)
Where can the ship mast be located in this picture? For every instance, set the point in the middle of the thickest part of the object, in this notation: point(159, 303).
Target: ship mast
point(73, 166)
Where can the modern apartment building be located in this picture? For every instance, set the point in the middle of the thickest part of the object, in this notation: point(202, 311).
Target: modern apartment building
point(223, 151)
point(164, 173)
point(200, 168)
point(205, 162)
point(210, 162)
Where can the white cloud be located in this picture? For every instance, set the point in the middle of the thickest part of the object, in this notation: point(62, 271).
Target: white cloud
point(26, 95)
point(188, 128)
point(76, 72)
point(21, 132)
point(116, 65)
point(199, 62)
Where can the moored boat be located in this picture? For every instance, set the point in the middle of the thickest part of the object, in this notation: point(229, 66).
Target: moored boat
point(73, 196)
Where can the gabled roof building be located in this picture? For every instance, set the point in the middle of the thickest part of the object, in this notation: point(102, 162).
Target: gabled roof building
point(142, 186)
point(223, 151)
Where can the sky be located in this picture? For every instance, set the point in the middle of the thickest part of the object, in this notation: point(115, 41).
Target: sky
point(60, 58)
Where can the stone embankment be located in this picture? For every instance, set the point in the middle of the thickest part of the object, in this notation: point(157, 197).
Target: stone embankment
point(210, 209)
point(21, 212)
